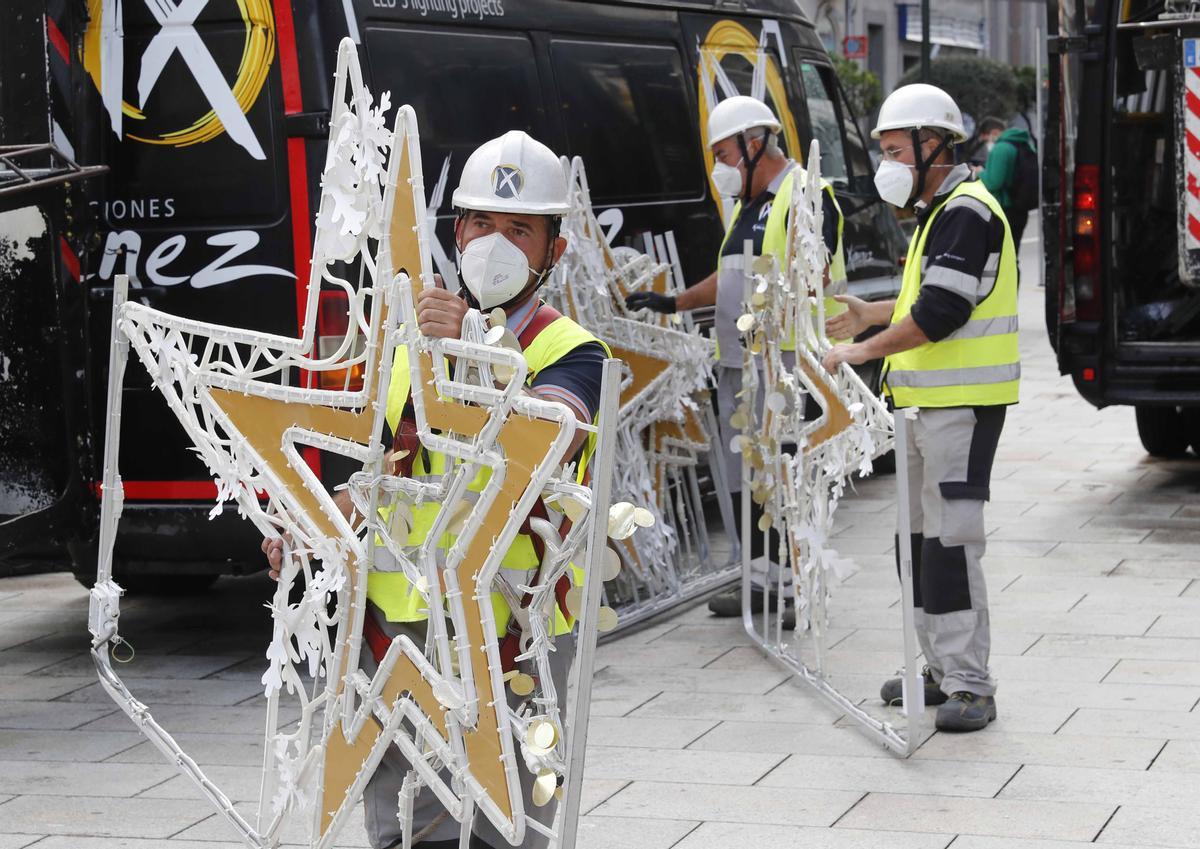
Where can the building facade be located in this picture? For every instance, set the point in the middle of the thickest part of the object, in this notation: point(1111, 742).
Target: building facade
point(1005, 30)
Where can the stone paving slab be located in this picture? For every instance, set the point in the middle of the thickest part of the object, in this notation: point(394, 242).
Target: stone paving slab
point(1116, 786)
point(64, 716)
point(36, 688)
point(233, 749)
point(679, 800)
point(698, 767)
point(999, 817)
point(827, 772)
point(773, 737)
point(1179, 756)
point(101, 817)
point(714, 834)
point(129, 843)
point(694, 680)
point(1023, 747)
point(649, 732)
point(640, 833)
point(1175, 725)
point(976, 841)
point(18, 841)
point(1157, 826)
point(73, 746)
point(57, 778)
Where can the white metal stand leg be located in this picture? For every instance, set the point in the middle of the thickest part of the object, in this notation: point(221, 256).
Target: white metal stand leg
point(585, 651)
point(913, 686)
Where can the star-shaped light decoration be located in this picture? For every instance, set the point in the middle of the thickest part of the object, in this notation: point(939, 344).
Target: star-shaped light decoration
point(664, 428)
point(451, 706)
point(799, 488)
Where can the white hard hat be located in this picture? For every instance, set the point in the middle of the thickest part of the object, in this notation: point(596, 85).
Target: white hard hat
point(920, 106)
point(737, 114)
point(513, 173)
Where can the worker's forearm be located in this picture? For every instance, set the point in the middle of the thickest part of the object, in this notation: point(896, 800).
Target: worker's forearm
point(879, 313)
point(902, 336)
point(703, 294)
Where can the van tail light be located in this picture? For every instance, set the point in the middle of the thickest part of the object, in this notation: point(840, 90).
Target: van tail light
point(1085, 242)
point(333, 323)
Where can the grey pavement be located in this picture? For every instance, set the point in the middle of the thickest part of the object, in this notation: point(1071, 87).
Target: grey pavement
point(697, 740)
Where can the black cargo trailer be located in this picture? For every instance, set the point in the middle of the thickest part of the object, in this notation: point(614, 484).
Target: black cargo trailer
point(1121, 184)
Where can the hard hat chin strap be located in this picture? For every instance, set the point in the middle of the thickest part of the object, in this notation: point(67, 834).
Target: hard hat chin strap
point(924, 164)
point(751, 162)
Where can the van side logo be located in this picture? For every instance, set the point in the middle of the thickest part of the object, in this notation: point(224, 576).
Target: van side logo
point(222, 106)
point(507, 181)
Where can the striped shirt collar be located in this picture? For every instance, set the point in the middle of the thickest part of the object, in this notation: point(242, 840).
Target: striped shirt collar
point(518, 319)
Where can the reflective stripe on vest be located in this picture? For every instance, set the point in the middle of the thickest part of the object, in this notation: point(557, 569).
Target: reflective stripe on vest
point(775, 241)
point(391, 591)
point(979, 364)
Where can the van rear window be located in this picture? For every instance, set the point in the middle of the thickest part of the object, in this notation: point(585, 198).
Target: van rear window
point(466, 87)
point(628, 113)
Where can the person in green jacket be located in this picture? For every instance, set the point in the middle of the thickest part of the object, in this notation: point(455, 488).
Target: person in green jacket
point(1014, 186)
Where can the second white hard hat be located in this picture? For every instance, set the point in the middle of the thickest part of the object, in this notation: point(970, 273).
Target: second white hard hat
point(737, 114)
point(513, 173)
point(920, 106)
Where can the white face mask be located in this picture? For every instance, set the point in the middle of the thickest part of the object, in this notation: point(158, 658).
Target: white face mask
point(727, 179)
point(894, 182)
point(494, 270)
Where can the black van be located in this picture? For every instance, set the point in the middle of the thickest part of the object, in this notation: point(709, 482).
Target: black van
point(215, 162)
point(1121, 184)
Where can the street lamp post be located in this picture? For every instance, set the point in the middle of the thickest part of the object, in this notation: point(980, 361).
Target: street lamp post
point(924, 41)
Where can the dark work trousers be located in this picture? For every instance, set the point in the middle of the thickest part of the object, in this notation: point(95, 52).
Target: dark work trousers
point(950, 454)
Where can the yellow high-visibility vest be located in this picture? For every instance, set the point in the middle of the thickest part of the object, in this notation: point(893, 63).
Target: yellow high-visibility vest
point(979, 365)
point(775, 241)
point(391, 591)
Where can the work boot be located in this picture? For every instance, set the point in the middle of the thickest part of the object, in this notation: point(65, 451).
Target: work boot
point(966, 712)
point(729, 604)
point(892, 691)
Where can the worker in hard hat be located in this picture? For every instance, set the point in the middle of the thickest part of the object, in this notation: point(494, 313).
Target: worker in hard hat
point(509, 204)
point(750, 167)
point(952, 358)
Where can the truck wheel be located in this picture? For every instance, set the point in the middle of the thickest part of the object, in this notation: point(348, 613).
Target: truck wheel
point(1162, 431)
point(1191, 425)
point(155, 584)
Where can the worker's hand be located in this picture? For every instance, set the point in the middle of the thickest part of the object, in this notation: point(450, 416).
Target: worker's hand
point(850, 323)
point(855, 355)
point(273, 548)
point(650, 301)
point(440, 314)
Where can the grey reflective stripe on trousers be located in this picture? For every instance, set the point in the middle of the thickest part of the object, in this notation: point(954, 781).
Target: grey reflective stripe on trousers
point(954, 376)
point(977, 328)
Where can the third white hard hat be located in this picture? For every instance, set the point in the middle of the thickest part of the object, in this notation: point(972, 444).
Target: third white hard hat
point(513, 173)
point(919, 106)
point(737, 114)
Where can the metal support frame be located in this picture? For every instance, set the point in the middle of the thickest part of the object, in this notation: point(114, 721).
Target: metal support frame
point(799, 487)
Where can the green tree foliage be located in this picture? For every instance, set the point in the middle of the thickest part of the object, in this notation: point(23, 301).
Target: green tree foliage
point(979, 86)
point(863, 89)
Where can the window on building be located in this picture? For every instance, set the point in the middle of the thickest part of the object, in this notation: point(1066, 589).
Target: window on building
point(628, 113)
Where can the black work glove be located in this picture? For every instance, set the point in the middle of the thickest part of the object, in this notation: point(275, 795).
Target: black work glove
point(650, 301)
